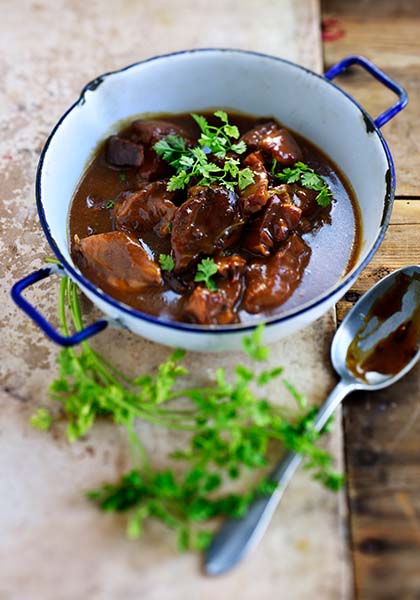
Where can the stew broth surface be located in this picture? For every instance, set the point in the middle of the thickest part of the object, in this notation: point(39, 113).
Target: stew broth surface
point(334, 237)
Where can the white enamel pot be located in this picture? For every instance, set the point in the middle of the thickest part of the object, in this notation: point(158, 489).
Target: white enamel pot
point(192, 81)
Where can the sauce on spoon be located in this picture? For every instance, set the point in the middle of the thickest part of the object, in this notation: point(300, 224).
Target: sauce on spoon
point(389, 336)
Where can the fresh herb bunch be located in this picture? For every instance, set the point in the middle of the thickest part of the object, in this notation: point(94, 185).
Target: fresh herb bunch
point(194, 162)
point(306, 176)
point(231, 428)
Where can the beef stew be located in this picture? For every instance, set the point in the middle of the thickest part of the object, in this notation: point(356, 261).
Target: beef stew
point(182, 220)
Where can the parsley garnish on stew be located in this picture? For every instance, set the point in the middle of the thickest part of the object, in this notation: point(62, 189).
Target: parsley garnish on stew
point(205, 270)
point(166, 262)
point(306, 176)
point(194, 162)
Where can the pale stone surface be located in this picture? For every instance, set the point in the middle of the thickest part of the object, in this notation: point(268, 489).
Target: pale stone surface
point(54, 545)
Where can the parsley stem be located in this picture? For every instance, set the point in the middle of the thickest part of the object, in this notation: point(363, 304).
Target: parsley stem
point(62, 306)
point(103, 372)
point(137, 448)
point(175, 412)
point(76, 314)
point(155, 420)
point(172, 417)
point(53, 261)
point(117, 373)
point(192, 392)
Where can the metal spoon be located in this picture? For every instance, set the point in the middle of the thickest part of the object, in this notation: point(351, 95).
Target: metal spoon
point(385, 320)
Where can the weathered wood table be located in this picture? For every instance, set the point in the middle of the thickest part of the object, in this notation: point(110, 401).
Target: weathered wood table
point(382, 430)
point(54, 545)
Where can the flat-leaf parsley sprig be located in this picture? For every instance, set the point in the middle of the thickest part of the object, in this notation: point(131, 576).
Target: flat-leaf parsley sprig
point(205, 271)
point(193, 162)
point(308, 178)
point(228, 424)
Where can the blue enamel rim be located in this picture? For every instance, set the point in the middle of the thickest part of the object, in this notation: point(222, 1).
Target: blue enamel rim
point(200, 329)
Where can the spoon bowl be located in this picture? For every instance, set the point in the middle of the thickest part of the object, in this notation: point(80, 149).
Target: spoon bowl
point(397, 297)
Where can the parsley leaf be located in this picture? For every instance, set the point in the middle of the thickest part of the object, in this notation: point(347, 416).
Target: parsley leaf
point(245, 178)
point(171, 149)
point(166, 262)
point(307, 177)
point(273, 167)
point(324, 197)
point(253, 344)
point(178, 181)
point(205, 270)
point(41, 419)
point(300, 398)
point(222, 115)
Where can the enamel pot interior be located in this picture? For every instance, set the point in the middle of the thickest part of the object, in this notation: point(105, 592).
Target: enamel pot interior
point(191, 81)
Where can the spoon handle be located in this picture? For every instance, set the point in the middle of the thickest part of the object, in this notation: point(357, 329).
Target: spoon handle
point(237, 537)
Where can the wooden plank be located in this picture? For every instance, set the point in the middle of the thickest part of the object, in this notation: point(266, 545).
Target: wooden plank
point(386, 33)
point(54, 545)
point(382, 433)
point(382, 429)
point(383, 448)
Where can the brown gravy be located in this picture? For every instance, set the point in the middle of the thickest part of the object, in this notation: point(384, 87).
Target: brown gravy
point(390, 354)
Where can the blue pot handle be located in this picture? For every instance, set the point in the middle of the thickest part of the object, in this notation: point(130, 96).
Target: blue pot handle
point(388, 114)
point(42, 323)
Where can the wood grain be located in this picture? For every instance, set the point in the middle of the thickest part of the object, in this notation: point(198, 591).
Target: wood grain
point(382, 432)
point(382, 429)
point(382, 446)
point(388, 34)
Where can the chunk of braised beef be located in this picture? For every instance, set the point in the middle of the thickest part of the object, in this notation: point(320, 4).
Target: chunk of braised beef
point(271, 281)
point(150, 131)
point(230, 267)
point(278, 219)
point(306, 200)
point(148, 209)
point(208, 221)
point(123, 153)
point(153, 167)
point(253, 137)
point(219, 307)
point(214, 308)
point(119, 260)
point(180, 283)
point(255, 195)
point(281, 146)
